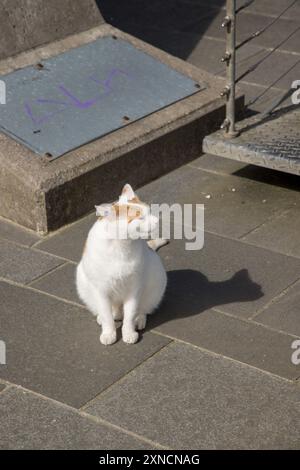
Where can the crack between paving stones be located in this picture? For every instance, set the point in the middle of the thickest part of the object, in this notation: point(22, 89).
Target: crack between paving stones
point(174, 339)
point(21, 229)
point(259, 46)
point(120, 380)
point(247, 243)
point(229, 358)
point(32, 248)
point(250, 321)
point(61, 229)
point(245, 82)
point(272, 217)
point(277, 297)
point(96, 419)
point(252, 12)
point(42, 276)
point(173, 342)
point(244, 242)
point(47, 294)
point(37, 250)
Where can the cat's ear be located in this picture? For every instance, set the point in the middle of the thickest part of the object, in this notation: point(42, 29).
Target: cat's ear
point(103, 210)
point(127, 192)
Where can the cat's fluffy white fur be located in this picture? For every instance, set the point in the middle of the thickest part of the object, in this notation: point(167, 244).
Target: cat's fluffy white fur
point(121, 279)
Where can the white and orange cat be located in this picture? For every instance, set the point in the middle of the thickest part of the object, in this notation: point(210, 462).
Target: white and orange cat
point(121, 277)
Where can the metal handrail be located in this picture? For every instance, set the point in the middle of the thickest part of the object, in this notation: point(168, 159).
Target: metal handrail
point(229, 92)
point(229, 58)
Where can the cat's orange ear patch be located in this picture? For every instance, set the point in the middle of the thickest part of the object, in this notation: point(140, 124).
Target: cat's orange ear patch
point(133, 213)
point(136, 200)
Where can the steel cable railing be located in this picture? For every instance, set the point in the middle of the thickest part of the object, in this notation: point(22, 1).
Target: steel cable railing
point(253, 67)
point(279, 100)
point(245, 5)
point(229, 125)
point(263, 30)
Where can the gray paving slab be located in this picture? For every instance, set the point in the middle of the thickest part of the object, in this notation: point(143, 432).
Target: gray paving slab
point(16, 233)
point(180, 318)
point(275, 7)
point(189, 399)
point(279, 67)
point(248, 23)
point(208, 51)
point(22, 264)
point(165, 16)
point(280, 233)
point(243, 341)
point(207, 54)
point(259, 98)
point(53, 347)
point(235, 206)
point(254, 203)
point(232, 276)
point(198, 47)
point(283, 314)
point(60, 283)
point(228, 275)
point(119, 14)
point(272, 177)
point(215, 164)
point(178, 43)
point(69, 242)
point(31, 422)
point(266, 7)
point(190, 21)
point(272, 66)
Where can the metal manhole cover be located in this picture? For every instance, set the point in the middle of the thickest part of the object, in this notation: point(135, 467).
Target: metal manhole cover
point(78, 96)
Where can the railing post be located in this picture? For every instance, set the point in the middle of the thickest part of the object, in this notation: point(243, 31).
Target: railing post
point(230, 59)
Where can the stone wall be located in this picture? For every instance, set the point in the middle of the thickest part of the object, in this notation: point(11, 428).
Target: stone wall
point(25, 24)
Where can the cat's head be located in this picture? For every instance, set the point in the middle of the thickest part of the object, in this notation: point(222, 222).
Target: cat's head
point(128, 217)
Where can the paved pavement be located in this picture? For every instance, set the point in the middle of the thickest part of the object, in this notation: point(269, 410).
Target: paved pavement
point(190, 29)
point(214, 368)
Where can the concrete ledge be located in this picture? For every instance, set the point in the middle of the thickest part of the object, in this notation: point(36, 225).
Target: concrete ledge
point(44, 195)
point(30, 23)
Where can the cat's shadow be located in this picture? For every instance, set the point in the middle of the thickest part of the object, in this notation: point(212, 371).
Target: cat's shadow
point(189, 293)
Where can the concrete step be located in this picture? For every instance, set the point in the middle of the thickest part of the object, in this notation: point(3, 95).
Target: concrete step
point(43, 195)
point(271, 142)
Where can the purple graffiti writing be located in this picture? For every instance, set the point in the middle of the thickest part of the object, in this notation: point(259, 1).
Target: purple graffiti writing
point(72, 100)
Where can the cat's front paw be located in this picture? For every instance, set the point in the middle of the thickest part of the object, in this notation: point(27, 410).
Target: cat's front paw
point(108, 338)
point(130, 337)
